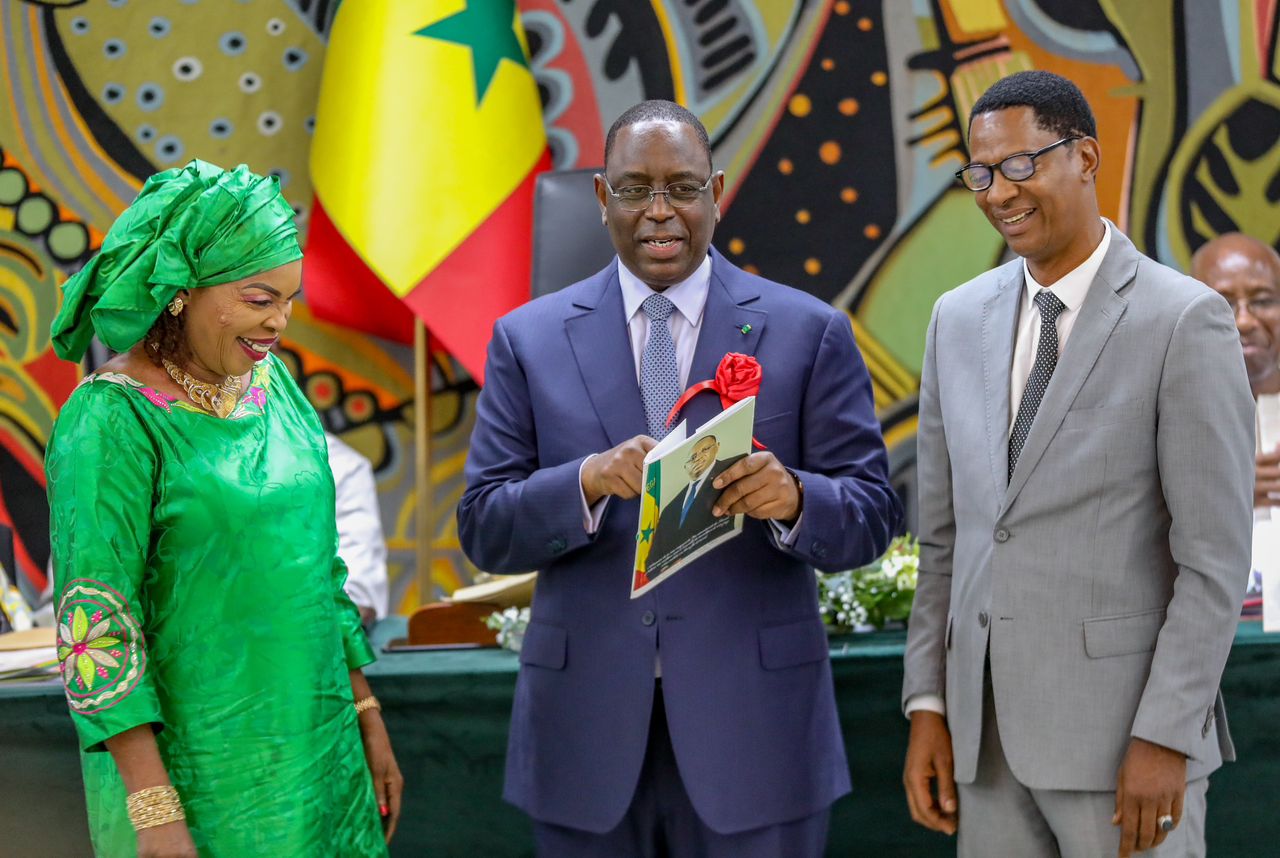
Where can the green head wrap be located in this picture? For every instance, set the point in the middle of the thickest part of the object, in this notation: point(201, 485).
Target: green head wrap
point(198, 225)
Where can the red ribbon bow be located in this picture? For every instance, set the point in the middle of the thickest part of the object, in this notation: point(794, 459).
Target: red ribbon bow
point(737, 377)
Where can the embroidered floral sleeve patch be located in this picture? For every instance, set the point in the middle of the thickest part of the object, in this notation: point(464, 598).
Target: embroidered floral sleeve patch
point(100, 646)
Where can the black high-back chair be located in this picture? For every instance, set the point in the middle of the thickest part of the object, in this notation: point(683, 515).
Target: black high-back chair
point(569, 241)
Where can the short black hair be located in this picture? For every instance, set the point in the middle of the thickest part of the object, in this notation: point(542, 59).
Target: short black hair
point(657, 110)
point(1059, 105)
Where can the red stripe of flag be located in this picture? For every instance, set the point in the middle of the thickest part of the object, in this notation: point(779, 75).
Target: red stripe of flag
point(487, 275)
point(341, 288)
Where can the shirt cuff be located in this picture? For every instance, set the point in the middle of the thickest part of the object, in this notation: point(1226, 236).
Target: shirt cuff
point(925, 703)
point(786, 536)
point(593, 514)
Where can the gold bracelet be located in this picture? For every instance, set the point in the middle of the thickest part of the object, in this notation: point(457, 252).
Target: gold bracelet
point(366, 703)
point(158, 805)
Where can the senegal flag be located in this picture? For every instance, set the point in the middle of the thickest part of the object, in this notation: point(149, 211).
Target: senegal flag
point(428, 138)
point(649, 510)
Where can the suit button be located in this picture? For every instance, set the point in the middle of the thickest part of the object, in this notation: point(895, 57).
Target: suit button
point(983, 619)
point(648, 618)
point(1002, 535)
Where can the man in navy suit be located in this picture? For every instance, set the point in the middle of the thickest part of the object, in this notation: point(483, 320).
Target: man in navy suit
point(699, 719)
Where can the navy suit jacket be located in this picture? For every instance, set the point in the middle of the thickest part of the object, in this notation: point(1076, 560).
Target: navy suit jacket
point(745, 674)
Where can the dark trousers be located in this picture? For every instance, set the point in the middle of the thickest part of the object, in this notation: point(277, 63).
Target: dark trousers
point(661, 822)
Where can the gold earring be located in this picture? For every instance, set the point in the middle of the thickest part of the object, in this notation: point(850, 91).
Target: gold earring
point(176, 305)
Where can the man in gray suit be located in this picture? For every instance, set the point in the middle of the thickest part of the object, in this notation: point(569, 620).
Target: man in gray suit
point(1086, 470)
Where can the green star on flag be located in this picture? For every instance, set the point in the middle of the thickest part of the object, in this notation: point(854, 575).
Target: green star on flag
point(646, 534)
point(487, 27)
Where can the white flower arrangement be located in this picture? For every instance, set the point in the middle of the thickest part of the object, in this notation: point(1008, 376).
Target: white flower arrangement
point(838, 603)
point(510, 625)
point(870, 597)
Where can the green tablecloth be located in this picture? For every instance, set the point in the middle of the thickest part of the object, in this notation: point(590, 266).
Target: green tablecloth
point(447, 713)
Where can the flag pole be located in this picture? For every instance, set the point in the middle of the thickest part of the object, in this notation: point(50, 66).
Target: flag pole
point(422, 459)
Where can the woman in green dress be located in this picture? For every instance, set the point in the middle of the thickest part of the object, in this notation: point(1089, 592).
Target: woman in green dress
point(210, 657)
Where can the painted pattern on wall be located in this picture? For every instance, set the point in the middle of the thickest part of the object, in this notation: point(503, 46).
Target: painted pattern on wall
point(839, 124)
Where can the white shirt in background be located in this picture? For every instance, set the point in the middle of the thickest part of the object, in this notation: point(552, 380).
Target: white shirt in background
point(1266, 519)
point(360, 541)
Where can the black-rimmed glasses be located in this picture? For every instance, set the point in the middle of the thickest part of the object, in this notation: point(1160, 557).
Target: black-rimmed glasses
point(637, 198)
point(1015, 168)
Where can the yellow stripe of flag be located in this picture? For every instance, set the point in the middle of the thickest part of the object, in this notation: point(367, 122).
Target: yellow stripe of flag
point(427, 121)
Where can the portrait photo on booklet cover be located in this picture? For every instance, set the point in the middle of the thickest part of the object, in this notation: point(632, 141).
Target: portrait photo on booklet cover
point(676, 521)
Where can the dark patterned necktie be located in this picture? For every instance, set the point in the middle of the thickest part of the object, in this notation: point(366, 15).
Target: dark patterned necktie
point(659, 372)
point(1051, 307)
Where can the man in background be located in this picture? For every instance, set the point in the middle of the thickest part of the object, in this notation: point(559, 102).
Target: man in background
point(1246, 272)
point(360, 542)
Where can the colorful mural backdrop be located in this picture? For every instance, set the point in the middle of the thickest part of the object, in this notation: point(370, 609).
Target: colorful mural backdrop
point(838, 123)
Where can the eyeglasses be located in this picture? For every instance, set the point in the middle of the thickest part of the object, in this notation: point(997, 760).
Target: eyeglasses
point(637, 198)
point(1015, 168)
point(1258, 305)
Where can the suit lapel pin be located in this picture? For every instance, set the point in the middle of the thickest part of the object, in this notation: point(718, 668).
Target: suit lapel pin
point(746, 329)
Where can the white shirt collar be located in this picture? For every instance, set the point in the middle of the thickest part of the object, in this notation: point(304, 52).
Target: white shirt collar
point(1073, 285)
point(689, 295)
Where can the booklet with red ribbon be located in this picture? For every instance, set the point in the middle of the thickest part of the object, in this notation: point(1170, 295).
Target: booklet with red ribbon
point(676, 522)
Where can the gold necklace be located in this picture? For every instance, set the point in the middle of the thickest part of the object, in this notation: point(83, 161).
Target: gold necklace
point(217, 399)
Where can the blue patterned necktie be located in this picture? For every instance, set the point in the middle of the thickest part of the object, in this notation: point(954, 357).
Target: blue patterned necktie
point(1051, 307)
point(659, 372)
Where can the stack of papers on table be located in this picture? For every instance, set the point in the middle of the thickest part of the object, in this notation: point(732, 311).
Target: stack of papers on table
point(27, 655)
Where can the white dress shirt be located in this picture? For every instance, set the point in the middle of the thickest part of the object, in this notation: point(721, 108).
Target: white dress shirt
point(1266, 519)
point(690, 298)
point(1267, 432)
point(1071, 289)
point(360, 542)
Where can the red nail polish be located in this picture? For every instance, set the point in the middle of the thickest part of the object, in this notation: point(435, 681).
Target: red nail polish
point(383, 808)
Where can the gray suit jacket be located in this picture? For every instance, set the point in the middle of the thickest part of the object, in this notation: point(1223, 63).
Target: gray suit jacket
point(1103, 578)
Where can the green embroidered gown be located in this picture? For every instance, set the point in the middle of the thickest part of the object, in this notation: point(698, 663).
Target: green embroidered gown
point(199, 591)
